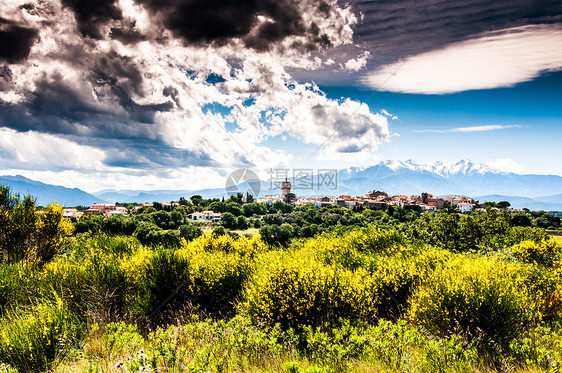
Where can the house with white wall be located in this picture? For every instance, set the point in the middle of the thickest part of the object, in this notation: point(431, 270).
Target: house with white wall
point(465, 207)
point(205, 217)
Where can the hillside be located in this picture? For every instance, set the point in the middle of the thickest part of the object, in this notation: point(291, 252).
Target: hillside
point(47, 193)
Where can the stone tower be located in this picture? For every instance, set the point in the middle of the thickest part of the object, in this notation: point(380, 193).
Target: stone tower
point(285, 189)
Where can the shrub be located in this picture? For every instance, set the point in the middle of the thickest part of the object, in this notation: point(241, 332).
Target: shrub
point(246, 246)
point(121, 336)
point(217, 280)
point(190, 232)
point(14, 283)
point(166, 275)
point(546, 253)
point(190, 280)
point(482, 299)
point(219, 231)
point(351, 248)
point(92, 279)
point(394, 280)
point(104, 289)
point(373, 240)
point(31, 340)
point(540, 348)
point(26, 233)
point(297, 290)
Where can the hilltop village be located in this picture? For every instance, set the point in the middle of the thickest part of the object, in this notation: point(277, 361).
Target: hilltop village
point(424, 203)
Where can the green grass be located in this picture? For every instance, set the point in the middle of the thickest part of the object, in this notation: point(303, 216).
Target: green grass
point(249, 231)
point(361, 300)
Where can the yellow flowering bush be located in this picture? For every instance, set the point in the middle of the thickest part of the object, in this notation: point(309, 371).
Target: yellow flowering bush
point(546, 252)
point(31, 339)
point(295, 290)
point(248, 246)
point(195, 279)
point(480, 298)
point(351, 248)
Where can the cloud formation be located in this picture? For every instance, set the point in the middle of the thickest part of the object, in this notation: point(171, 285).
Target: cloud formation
point(486, 128)
point(146, 87)
point(499, 59)
point(15, 41)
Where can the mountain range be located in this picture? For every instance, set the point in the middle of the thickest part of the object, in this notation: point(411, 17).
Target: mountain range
point(461, 178)
point(394, 177)
point(45, 194)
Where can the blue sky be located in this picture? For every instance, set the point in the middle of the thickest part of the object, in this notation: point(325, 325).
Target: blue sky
point(530, 112)
point(132, 95)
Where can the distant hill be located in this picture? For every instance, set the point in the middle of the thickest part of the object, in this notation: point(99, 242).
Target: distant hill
point(536, 192)
point(541, 203)
point(397, 177)
point(46, 193)
point(125, 196)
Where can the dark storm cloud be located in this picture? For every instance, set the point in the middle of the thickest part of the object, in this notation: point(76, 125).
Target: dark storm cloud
point(5, 77)
point(146, 154)
point(56, 107)
point(392, 29)
point(53, 107)
point(218, 21)
point(122, 75)
point(15, 41)
point(91, 14)
point(127, 33)
point(126, 36)
point(112, 67)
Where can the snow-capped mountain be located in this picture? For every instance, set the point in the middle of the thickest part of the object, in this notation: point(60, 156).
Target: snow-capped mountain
point(444, 169)
point(462, 177)
point(394, 177)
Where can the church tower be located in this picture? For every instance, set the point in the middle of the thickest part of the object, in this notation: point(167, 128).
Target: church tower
point(285, 189)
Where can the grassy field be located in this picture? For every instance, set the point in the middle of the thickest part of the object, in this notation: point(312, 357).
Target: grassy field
point(241, 232)
point(359, 299)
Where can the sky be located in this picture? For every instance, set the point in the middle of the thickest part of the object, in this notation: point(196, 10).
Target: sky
point(176, 94)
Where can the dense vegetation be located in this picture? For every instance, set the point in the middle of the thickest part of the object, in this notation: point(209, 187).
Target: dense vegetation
point(316, 290)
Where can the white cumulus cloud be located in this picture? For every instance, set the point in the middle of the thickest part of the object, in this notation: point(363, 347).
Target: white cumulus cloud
point(356, 64)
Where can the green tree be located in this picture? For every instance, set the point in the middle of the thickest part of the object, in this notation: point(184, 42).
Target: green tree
point(275, 235)
point(196, 199)
point(290, 198)
point(241, 223)
point(162, 219)
point(217, 206)
point(503, 204)
point(228, 220)
point(190, 232)
point(26, 233)
point(521, 220)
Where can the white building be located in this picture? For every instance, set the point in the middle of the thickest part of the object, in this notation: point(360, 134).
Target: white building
point(465, 207)
point(269, 199)
point(71, 213)
point(428, 208)
point(118, 211)
point(205, 217)
point(107, 209)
